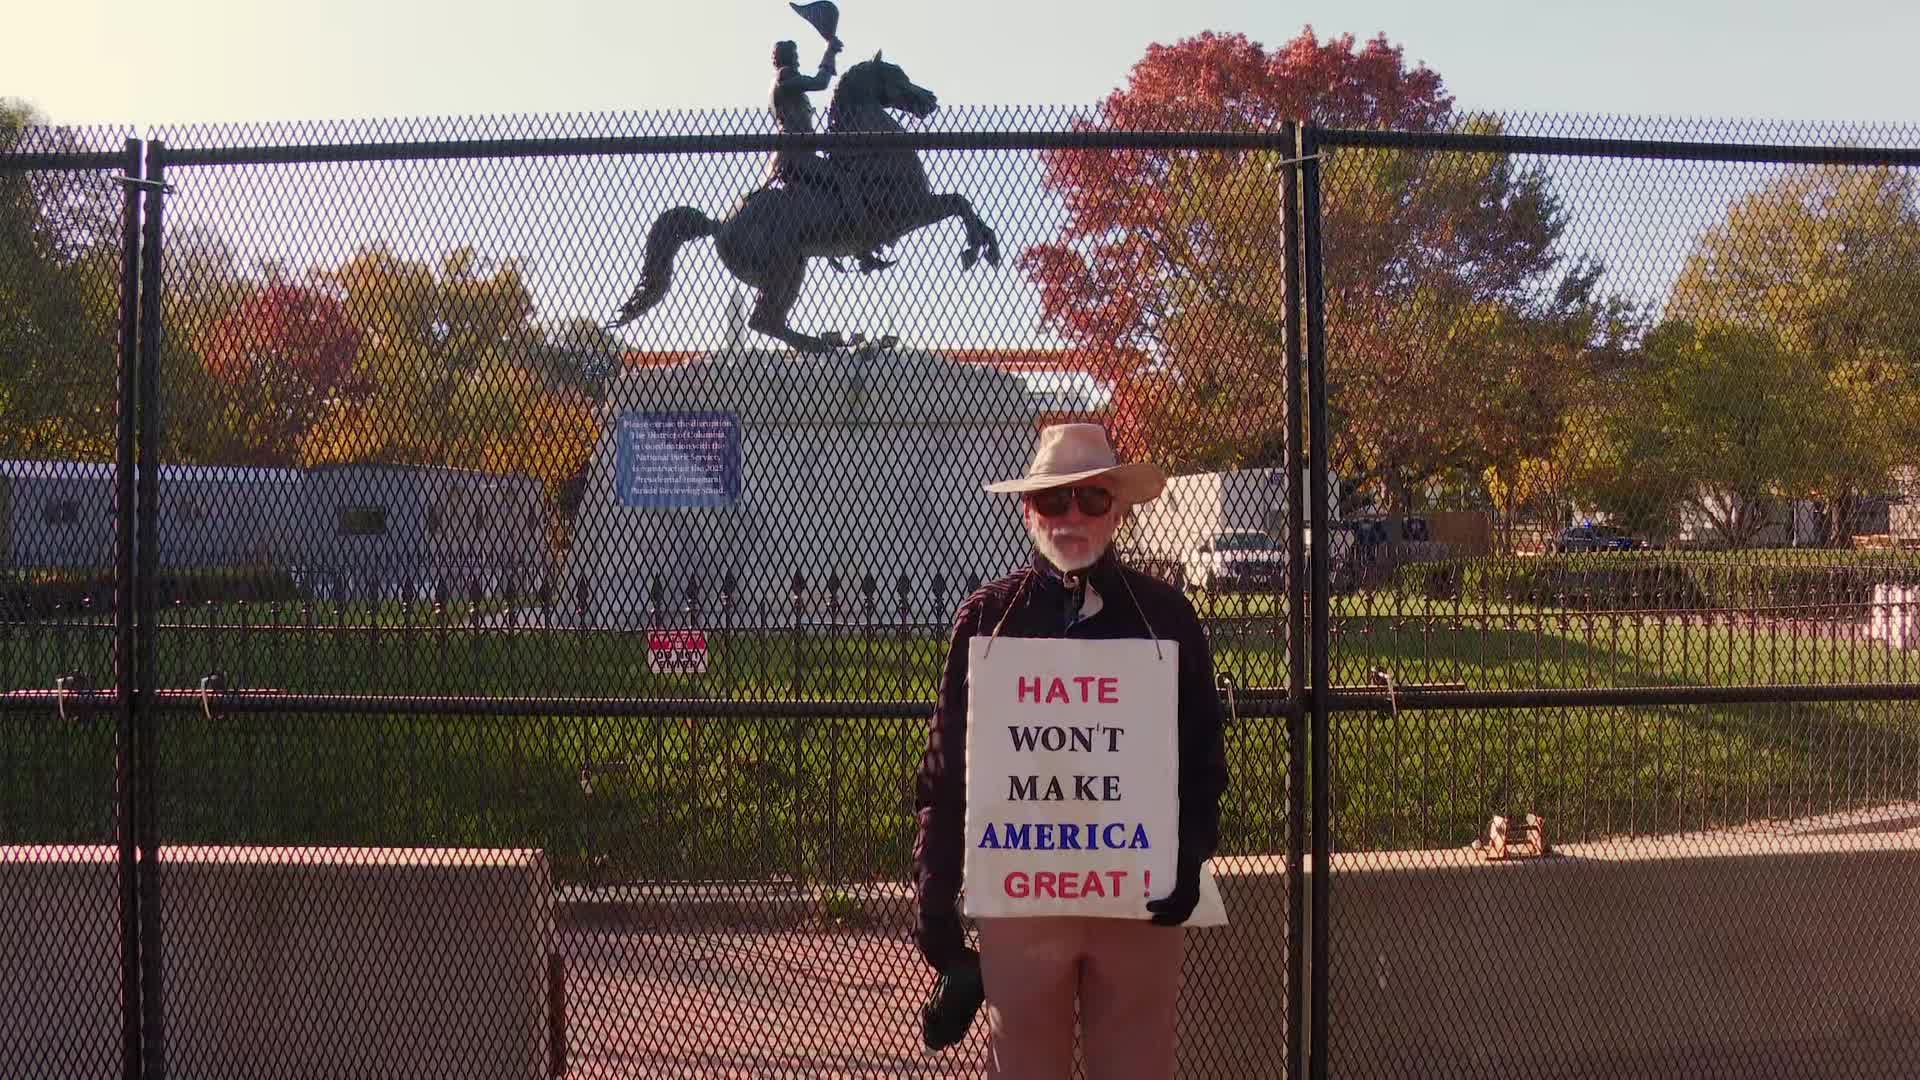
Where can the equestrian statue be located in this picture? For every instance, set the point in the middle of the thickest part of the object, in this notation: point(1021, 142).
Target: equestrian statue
point(849, 203)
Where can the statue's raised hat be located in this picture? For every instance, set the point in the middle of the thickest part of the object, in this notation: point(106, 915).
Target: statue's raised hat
point(823, 14)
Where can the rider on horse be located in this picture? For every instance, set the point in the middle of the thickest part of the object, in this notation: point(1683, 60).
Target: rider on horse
point(767, 239)
point(795, 115)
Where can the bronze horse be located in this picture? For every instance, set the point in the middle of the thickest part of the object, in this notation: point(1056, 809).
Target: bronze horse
point(767, 241)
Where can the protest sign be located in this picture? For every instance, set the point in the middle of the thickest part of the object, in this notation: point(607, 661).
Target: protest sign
point(1072, 776)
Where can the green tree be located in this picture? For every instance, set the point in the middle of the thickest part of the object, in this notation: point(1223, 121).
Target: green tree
point(59, 301)
point(451, 369)
point(1826, 260)
point(442, 350)
point(1611, 460)
point(1714, 424)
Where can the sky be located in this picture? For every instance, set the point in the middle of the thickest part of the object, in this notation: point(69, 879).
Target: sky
point(577, 226)
point(190, 61)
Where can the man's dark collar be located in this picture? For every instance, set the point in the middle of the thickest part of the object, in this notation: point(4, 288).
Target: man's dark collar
point(1101, 570)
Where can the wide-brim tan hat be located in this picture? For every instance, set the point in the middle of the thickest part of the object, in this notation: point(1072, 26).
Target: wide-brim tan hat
point(1073, 453)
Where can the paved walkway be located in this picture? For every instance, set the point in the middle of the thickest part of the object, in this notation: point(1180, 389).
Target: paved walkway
point(772, 1004)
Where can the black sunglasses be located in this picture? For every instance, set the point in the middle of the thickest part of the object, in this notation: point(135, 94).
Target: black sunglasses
point(1053, 502)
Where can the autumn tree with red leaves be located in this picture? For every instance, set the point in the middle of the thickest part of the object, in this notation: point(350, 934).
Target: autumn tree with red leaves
point(456, 371)
point(281, 358)
point(1453, 330)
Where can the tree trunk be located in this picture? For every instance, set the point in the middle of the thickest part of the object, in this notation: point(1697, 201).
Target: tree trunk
point(1838, 531)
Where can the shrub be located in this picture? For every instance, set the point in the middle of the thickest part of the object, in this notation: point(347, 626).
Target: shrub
point(1638, 581)
point(42, 593)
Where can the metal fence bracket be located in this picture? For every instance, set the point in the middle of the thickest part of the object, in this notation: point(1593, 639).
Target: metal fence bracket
point(76, 687)
point(212, 686)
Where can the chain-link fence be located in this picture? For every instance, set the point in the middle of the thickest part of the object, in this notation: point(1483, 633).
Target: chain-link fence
point(548, 692)
point(69, 253)
point(1619, 432)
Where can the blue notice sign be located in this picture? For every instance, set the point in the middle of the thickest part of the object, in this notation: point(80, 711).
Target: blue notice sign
point(677, 459)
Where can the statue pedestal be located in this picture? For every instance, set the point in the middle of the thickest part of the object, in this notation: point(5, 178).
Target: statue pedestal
point(865, 463)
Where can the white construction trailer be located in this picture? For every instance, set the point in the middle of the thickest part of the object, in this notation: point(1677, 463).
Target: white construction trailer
point(1221, 530)
point(60, 515)
point(359, 531)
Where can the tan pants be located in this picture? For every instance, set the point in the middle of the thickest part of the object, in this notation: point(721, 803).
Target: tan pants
point(1125, 974)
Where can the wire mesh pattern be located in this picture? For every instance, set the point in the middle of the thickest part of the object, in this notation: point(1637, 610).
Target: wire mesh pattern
point(61, 270)
point(610, 646)
point(1708, 867)
point(1620, 423)
point(402, 455)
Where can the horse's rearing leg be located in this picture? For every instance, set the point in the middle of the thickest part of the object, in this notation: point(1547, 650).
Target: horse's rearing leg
point(981, 239)
point(776, 300)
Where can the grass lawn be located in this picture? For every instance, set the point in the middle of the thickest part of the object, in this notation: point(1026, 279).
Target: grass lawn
point(694, 798)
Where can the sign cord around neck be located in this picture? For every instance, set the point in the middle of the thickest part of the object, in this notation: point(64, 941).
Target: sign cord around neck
point(1121, 573)
point(1025, 580)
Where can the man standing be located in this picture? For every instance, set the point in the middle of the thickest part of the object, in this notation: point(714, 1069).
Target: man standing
point(1125, 974)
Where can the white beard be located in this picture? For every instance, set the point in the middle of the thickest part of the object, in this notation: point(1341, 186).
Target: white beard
point(1043, 539)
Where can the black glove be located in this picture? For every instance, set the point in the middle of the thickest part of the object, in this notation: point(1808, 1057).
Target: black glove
point(942, 941)
point(1175, 907)
point(957, 996)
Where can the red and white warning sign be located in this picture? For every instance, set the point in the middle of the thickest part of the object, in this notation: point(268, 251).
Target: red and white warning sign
point(677, 652)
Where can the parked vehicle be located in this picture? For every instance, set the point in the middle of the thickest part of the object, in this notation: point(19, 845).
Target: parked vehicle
point(1219, 530)
point(1587, 538)
point(1238, 559)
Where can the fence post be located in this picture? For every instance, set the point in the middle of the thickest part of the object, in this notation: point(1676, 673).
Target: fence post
point(796, 729)
point(124, 640)
point(1316, 386)
point(903, 637)
point(146, 661)
point(795, 660)
point(1296, 620)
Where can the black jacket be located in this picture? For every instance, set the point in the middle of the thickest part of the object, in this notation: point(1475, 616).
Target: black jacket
point(1039, 597)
